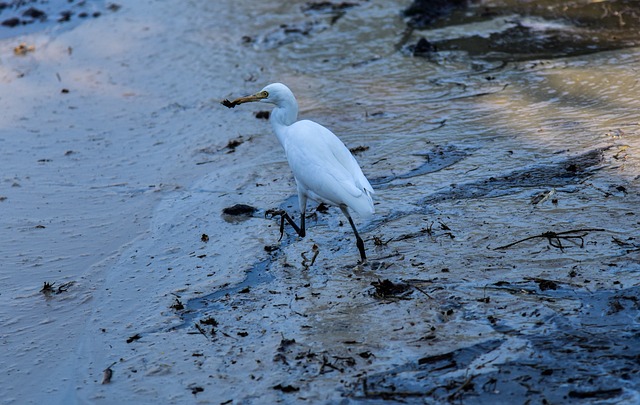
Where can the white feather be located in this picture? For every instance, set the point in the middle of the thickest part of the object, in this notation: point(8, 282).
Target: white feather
point(324, 169)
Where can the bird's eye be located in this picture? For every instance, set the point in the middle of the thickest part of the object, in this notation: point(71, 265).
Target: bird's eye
point(264, 94)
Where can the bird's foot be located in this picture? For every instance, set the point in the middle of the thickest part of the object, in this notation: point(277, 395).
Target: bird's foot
point(274, 212)
point(285, 217)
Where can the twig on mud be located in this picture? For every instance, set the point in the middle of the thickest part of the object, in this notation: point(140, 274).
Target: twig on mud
point(440, 125)
point(485, 93)
point(544, 284)
point(631, 246)
point(202, 331)
point(325, 363)
point(466, 382)
point(419, 289)
point(306, 263)
point(108, 373)
point(554, 237)
point(377, 240)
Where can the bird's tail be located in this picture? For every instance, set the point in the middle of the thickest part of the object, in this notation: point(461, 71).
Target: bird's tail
point(363, 205)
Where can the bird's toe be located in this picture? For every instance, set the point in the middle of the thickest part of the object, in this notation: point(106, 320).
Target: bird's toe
point(273, 212)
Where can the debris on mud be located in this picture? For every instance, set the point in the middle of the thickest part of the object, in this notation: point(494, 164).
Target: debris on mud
point(210, 323)
point(230, 147)
point(177, 305)
point(23, 49)
point(238, 212)
point(263, 115)
point(543, 196)
point(544, 284)
point(560, 358)
point(286, 388)
point(554, 238)
point(134, 338)
point(358, 149)
point(388, 289)
point(107, 374)
point(327, 6)
point(234, 143)
point(378, 240)
point(306, 263)
point(49, 290)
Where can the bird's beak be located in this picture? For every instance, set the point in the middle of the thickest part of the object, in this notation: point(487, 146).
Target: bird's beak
point(246, 99)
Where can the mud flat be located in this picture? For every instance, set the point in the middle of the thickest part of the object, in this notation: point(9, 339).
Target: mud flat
point(138, 265)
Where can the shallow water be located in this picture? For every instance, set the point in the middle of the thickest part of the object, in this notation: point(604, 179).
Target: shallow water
point(108, 188)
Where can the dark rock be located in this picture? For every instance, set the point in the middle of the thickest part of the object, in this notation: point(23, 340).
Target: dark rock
point(239, 210)
point(327, 6)
point(11, 22)
point(424, 13)
point(423, 47)
point(35, 14)
point(263, 115)
point(65, 16)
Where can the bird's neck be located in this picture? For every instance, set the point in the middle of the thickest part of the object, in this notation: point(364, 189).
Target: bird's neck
point(284, 114)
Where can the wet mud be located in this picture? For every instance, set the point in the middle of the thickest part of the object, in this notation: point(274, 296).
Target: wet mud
point(566, 172)
point(503, 256)
point(318, 17)
point(435, 159)
point(589, 354)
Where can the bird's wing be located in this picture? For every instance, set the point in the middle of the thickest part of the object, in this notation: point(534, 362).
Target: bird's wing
point(346, 159)
point(323, 166)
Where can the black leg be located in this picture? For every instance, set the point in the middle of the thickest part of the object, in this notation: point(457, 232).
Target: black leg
point(359, 241)
point(300, 230)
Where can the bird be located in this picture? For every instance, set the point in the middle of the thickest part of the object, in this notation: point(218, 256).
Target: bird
point(324, 169)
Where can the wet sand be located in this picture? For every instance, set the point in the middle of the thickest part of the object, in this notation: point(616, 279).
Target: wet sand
point(503, 257)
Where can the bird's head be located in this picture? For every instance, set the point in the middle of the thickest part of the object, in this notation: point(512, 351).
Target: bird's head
point(275, 93)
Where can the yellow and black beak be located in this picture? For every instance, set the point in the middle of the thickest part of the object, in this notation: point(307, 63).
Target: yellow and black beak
point(247, 99)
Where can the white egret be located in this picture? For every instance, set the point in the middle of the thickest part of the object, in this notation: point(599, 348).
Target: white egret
point(324, 169)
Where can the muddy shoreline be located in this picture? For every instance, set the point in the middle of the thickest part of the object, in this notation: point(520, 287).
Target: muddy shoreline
point(503, 257)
